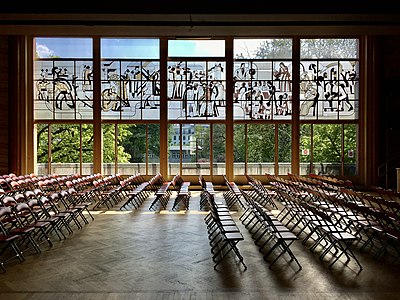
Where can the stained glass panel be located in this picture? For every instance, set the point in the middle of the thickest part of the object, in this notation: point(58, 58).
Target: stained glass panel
point(196, 90)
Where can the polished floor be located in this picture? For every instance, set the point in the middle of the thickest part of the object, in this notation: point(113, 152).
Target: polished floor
point(146, 254)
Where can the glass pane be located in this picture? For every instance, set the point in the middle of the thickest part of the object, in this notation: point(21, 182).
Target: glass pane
point(131, 149)
point(130, 48)
point(305, 149)
point(63, 89)
point(239, 149)
point(327, 152)
point(196, 48)
point(130, 90)
point(329, 48)
point(196, 90)
point(329, 90)
point(63, 47)
point(132, 142)
point(350, 149)
point(65, 149)
point(261, 149)
point(263, 81)
point(154, 149)
point(108, 132)
point(218, 145)
point(284, 149)
point(195, 149)
point(87, 149)
point(262, 48)
point(174, 149)
point(42, 150)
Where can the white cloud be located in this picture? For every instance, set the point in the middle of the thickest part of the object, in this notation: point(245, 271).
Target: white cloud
point(210, 48)
point(43, 51)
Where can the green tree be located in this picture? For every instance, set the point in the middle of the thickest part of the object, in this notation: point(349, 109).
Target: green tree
point(134, 141)
point(284, 142)
point(66, 143)
point(154, 140)
point(109, 131)
point(327, 142)
point(261, 142)
point(305, 142)
point(42, 135)
point(239, 144)
point(219, 142)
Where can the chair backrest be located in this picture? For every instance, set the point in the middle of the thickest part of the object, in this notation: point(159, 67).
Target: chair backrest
point(9, 201)
point(202, 181)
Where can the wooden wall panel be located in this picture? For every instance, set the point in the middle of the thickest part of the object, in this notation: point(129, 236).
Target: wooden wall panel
point(389, 109)
point(4, 167)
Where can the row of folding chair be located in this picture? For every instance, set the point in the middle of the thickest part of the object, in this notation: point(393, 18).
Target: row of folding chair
point(109, 191)
point(223, 233)
point(305, 216)
point(162, 196)
point(28, 221)
point(385, 201)
point(15, 238)
point(312, 182)
point(372, 218)
point(280, 183)
point(183, 194)
point(332, 181)
point(61, 191)
point(13, 185)
point(267, 230)
point(264, 195)
point(137, 191)
point(206, 186)
point(377, 228)
point(233, 196)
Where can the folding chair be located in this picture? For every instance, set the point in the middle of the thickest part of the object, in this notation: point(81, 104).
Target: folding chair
point(224, 235)
point(273, 231)
point(27, 219)
point(8, 241)
point(335, 238)
point(12, 225)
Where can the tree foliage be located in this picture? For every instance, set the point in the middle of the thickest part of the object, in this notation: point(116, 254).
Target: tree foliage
point(65, 143)
point(327, 142)
point(134, 141)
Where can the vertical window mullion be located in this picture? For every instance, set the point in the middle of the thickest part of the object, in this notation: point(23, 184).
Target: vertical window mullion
point(229, 160)
point(276, 155)
point(97, 130)
point(342, 150)
point(49, 158)
point(80, 149)
point(116, 148)
point(296, 106)
point(180, 149)
point(211, 150)
point(311, 147)
point(147, 149)
point(246, 151)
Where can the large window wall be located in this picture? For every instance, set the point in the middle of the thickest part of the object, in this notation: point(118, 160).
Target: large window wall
point(207, 108)
point(329, 106)
point(262, 103)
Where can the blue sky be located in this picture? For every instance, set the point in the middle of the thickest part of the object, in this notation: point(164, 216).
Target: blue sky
point(136, 48)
